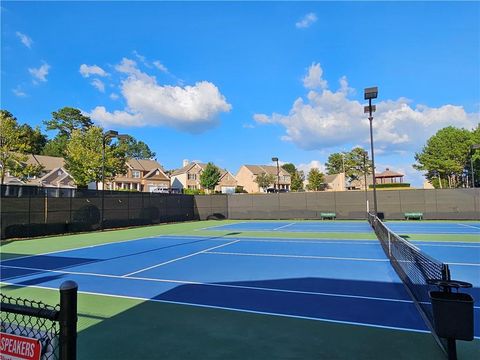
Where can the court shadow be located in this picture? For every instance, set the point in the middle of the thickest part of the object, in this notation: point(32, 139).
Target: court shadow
point(169, 328)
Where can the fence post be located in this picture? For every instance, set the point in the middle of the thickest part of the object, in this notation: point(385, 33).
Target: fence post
point(68, 320)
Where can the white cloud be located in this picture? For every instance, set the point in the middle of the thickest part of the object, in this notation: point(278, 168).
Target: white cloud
point(40, 73)
point(25, 39)
point(19, 92)
point(114, 96)
point(192, 108)
point(160, 66)
point(87, 70)
point(313, 79)
point(248, 126)
point(326, 118)
point(306, 21)
point(123, 118)
point(312, 164)
point(98, 84)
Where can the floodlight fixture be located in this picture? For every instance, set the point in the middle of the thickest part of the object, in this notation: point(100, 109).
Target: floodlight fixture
point(371, 93)
point(366, 109)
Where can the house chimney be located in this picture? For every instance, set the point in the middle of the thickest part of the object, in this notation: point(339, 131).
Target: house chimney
point(185, 162)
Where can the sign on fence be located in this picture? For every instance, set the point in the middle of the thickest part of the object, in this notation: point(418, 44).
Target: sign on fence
point(15, 347)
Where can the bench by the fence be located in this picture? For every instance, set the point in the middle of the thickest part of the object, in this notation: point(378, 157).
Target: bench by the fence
point(329, 215)
point(413, 216)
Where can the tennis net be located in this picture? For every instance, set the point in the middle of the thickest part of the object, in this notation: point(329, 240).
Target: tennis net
point(415, 268)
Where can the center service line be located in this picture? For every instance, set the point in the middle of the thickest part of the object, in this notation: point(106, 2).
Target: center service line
point(180, 258)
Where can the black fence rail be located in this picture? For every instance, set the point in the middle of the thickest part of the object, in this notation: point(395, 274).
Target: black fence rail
point(28, 211)
point(53, 327)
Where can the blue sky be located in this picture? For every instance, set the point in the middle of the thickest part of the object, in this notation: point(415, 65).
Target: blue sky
point(239, 82)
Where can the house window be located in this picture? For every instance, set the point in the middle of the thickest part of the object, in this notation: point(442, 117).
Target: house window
point(136, 174)
point(192, 176)
point(286, 178)
point(157, 172)
point(59, 172)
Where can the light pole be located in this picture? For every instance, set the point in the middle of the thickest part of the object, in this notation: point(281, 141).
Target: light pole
point(110, 134)
point(365, 155)
point(472, 150)
point(369, 94)
point(278, 173)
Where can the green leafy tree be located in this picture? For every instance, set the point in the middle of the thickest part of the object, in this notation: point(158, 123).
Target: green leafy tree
point(290, 168)
point(297, 180)
point(66, 120)
point(83, 157)
point(474, 158)
point(56, 146)
point(13, 149)
point(136, 149)
point(351, 162)
point(264, 180)
point(358, 164)
point(335, 163)
point(445, 157)
point(210, 176)
point(316, 179)
point(297, 177)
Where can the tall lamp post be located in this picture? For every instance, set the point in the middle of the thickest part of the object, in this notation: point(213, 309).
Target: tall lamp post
point(472, 149)
point(110, 134)
point(278, 173)
point(365, 155)
point(372, 93)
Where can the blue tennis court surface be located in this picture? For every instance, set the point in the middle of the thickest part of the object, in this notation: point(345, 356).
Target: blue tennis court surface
point(409, 227)
point(332, 280)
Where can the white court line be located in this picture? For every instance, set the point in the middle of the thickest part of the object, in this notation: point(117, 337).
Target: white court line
point(470, 226)
point(242, 310)
point(180, 258)
point(463, 264)
point(284, 226)
point(219, 226)
point(82, 247)
point(295, 256)
point(423, 244)
point(259, 288)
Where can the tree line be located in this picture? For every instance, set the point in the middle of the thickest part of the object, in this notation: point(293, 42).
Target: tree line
point(450, 158)
point(76, 139)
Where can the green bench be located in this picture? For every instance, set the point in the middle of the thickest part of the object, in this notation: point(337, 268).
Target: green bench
point(325, 215)
point(414, 216)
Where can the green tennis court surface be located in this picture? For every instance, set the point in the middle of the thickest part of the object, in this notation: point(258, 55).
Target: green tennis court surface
point(171, 330)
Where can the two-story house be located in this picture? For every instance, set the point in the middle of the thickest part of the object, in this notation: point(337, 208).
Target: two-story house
point(142, 175)
point(248, 173)
point(188, 177)
point(53, 173)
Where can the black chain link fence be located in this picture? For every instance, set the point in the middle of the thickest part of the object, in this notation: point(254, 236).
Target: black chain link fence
point(54, 326)
point(32, 319)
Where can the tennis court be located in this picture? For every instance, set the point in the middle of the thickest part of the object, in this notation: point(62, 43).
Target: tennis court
point(401, 227)
point(341, 277)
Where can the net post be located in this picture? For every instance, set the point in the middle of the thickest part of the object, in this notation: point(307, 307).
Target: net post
point(389, 245)
point(68, 320)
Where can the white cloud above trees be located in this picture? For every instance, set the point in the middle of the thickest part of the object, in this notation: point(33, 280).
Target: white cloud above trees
point(92, 70)
point(25, 39)
point(40, 73)
point(191, 108)
point(325, 118)
point(306, 21)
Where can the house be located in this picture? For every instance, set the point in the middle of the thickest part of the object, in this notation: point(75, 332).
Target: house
point(360, 183)
point(247, 174)
point(53, 173)
point(335, 182)
point(142, 175)
point(188, 177)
